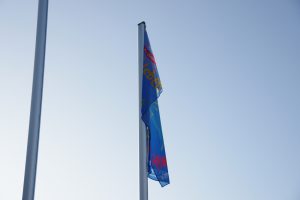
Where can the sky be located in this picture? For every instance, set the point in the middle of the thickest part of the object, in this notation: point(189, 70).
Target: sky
point(230, 109)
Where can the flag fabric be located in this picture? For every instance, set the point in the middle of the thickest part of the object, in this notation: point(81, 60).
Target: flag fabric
point(151, 90)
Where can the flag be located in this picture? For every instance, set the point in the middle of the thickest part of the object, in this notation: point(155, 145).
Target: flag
point(151, 90)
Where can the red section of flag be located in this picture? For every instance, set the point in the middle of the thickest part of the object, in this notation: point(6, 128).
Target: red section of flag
point(149, 55)
point(159, 161)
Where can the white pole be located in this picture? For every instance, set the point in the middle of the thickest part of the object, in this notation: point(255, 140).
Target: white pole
point(142, 128)
point(36, 103)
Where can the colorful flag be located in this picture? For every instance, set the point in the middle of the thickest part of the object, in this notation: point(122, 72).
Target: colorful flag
point(151, 90)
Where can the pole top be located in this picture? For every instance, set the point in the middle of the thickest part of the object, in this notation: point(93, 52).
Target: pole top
point(143, 22)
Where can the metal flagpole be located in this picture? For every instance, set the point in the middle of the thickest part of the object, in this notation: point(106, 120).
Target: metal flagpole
point(142, 128)
point(36, 103)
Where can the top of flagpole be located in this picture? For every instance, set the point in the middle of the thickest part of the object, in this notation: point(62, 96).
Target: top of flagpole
point(143, 22)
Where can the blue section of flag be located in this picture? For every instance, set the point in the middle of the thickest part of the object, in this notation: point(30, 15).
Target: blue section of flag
point(151, 90)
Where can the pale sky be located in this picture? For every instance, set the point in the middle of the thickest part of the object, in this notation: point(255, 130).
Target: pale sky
point(230, 108)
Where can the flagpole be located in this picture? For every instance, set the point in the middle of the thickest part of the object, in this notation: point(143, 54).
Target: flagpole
point(36, 103)
point(143, 174)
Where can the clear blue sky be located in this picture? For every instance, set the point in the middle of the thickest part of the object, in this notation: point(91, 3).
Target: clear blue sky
point(230, 108)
